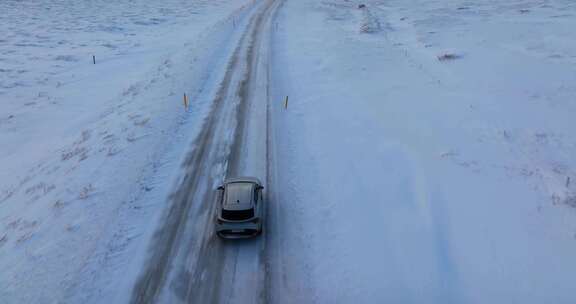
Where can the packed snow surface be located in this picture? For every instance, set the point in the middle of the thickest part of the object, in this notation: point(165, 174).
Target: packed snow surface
point(426, 153)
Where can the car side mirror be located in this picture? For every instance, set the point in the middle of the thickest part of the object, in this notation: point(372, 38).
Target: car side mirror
point(260, 187)
point(220, 188)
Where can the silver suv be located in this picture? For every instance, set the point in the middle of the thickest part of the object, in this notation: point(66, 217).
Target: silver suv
point(240, 208)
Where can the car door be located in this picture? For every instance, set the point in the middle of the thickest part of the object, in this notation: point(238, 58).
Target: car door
point(262, 203)
point(261, 206)
point(257, 201)
point(219, 199)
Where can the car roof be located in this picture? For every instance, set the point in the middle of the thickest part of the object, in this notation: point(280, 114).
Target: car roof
point(238, 196)
point(246, 179)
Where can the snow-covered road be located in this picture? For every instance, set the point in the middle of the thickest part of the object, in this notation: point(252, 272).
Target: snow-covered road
point(188, 262)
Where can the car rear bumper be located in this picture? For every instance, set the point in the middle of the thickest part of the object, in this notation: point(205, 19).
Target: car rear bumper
point(229, 230)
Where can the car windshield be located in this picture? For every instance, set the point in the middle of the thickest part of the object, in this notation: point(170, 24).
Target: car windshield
point(237, 215)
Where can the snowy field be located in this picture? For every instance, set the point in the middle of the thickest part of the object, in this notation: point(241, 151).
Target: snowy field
point(89, 152)
point(427, 154)
point(437, 143)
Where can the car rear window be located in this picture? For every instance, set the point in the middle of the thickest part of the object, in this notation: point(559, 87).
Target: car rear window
point(237, 215)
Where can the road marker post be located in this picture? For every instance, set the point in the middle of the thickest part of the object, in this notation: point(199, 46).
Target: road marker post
point(94, 59)
point(286, 102)
point(186, 104)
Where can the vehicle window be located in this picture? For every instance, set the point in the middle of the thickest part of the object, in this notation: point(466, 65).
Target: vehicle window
point(237, 215)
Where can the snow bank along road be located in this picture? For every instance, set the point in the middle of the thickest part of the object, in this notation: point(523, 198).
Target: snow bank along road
point(188, 262)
